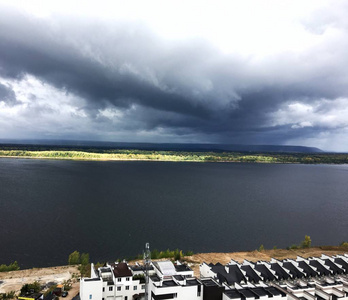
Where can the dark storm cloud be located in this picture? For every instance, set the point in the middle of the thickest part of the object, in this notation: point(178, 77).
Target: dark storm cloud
point(183, 87)
point(7, 95)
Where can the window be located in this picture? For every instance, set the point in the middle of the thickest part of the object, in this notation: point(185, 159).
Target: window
point(127, 278)
point(110, 288)
point(90, 296)
point(103, 289)
point(127, 287)
point(118, 288)
point(143, 287)
point(119, 279)
point(135, 288)
point(125, 298)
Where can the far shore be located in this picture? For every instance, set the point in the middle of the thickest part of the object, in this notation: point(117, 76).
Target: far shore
point(176, 156)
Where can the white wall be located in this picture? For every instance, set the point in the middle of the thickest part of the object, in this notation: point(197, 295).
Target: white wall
point(91, 290)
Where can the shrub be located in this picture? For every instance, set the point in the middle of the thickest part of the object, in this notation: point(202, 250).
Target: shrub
point(11, 267)
point(30, 288)
point(9, 295)
point(307, 242)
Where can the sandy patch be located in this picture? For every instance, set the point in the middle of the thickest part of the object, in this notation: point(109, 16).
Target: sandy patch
point(14, 280)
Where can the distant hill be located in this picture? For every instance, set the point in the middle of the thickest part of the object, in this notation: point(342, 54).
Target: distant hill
point(167, 146)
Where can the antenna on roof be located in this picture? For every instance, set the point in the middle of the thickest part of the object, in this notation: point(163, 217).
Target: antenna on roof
point(147, 262)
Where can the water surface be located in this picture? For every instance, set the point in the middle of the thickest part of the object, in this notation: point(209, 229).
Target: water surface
point(49, 208)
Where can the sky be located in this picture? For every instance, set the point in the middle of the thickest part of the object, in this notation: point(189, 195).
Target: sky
point(231, 72)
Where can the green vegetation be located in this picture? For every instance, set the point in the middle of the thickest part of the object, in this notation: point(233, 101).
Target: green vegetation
point(176, 254)
point(261, 248)
point(173, 254)
point(82, 260)
point(9, 295)
point(30, 288)
point(306, 243)
point(11, 267)
point(67, 285)
point(56, 152)
point(344, 244)
point(139, 277)
point(74, 258)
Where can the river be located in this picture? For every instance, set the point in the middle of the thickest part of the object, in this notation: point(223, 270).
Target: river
point(49, 208)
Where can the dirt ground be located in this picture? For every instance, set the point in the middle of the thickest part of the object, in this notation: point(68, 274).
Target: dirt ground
point(14, 280)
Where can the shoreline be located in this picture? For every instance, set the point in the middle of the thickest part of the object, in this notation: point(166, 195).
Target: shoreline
point(110, 159)
point(195, 259)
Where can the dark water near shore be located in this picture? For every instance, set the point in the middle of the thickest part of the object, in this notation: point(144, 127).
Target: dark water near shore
point(49, 208)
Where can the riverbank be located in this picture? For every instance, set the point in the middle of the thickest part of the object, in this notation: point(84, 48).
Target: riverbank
point(14, 280)
point(175, 156)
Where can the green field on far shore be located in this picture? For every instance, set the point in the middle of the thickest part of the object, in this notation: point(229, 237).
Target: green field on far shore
point(122, 154)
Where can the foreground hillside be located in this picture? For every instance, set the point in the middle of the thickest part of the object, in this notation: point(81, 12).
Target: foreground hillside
point(13, 281)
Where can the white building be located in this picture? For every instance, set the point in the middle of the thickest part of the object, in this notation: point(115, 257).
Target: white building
point(112, 282)
point(174, 281)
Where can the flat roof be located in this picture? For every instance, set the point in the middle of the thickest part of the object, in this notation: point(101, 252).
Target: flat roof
point(274, 291)
point(105, 270)
point(247, 293)
point(169, 283)
point(192, 282)
point(182, 268)
point(179, 277)
point(209, 282)
point(233, 294)
point(92, 279)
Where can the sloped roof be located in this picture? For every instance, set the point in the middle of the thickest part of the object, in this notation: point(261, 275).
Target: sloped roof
point(265, 273)
point(321, 269)
point(250, 273)
point(307, 269)
point(293, 270)
point(333, 267)
point(165, 267)
point(233, 275)
point(280, 272)
point(122, 270)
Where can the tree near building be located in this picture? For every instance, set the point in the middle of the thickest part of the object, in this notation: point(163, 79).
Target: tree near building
point(84, 259)
point(74, 258)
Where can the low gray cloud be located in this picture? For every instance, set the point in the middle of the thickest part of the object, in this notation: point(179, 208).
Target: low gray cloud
point(178, 90)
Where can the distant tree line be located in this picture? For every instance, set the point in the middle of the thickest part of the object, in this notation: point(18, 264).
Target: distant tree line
point(172, 254)
point(56, 152)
